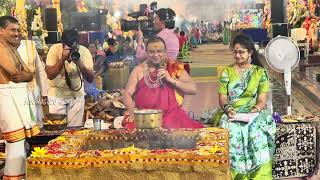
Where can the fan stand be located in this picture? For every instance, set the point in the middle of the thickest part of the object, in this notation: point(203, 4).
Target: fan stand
point(278, 56)
point(287, 82)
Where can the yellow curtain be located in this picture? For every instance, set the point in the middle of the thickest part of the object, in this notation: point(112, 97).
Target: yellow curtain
point(56, 4)
point(21, 15)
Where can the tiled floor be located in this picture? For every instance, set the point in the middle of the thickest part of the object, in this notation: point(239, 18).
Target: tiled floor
point(206, 55)
point(206, 98)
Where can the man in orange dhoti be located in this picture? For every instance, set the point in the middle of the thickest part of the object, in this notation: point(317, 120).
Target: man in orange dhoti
point(15, 115)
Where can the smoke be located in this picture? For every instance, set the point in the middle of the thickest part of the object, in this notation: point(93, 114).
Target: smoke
point(191, 10)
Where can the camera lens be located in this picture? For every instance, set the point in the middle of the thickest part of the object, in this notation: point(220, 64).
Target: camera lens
point(129, 25)
point(75, 56)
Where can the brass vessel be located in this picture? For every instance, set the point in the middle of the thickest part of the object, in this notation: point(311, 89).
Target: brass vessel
point(148, 118)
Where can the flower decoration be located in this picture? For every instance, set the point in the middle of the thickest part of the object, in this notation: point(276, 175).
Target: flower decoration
point(81, 6)
point(6, 7)
point(276, 117)
point(40, 152)
point(37, 29)
point(61, 139)
point(211, 150)
point(21, 14)
point(56, 4)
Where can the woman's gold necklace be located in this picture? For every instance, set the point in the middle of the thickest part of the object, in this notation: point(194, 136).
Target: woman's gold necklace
point(242, 70)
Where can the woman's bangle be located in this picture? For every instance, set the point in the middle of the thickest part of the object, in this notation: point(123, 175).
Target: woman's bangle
point(227, 108)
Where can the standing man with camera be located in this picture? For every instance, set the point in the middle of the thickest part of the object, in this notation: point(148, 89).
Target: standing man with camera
point(163, 25)
point(67, 63)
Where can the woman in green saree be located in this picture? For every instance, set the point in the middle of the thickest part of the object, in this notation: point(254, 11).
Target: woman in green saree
point(226, 34)
point(243, 88)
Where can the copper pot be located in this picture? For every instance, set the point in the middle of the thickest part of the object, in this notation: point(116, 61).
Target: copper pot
point(148, 118)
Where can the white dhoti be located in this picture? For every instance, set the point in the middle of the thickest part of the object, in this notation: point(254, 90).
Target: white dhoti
point(16, 124)
point(38, 87)
point(72, 107)
point(35, 100)
point(15, 160)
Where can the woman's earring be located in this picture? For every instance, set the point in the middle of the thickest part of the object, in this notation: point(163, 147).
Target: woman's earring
point(249, 60)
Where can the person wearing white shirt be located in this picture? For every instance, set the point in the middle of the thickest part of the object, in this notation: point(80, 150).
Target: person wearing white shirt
point(38, 87)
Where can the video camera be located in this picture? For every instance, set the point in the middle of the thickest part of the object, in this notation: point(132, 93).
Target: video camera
point(144, 19)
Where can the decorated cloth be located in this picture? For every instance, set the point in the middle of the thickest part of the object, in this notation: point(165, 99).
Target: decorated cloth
point(163, 97)
point(251, 144)
point(296, 153)
point(38, 87)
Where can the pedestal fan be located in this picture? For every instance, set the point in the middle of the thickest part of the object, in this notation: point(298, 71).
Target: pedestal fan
point(283, 55)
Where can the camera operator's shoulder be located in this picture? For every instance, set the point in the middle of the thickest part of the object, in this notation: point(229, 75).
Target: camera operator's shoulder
point(83, 49)
point(55, 48)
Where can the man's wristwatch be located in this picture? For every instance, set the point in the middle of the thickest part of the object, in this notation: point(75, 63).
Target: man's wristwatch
point(175, 83)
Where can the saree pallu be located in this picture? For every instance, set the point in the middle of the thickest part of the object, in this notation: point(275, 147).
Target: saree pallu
point(252, 144)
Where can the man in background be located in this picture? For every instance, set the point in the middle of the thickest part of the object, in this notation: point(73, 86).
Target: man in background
point(38, 87)
point(163, 25)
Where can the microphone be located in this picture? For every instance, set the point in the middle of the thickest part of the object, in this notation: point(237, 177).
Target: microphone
point(157, 66)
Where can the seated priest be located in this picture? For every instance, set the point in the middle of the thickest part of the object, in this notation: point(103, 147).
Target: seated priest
point(159, 84)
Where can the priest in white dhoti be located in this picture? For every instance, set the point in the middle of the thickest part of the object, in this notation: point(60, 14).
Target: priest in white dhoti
point(38, 87)
point(16, 122)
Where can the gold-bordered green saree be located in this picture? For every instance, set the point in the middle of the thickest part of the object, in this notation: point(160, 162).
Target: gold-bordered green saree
point(251, 144)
